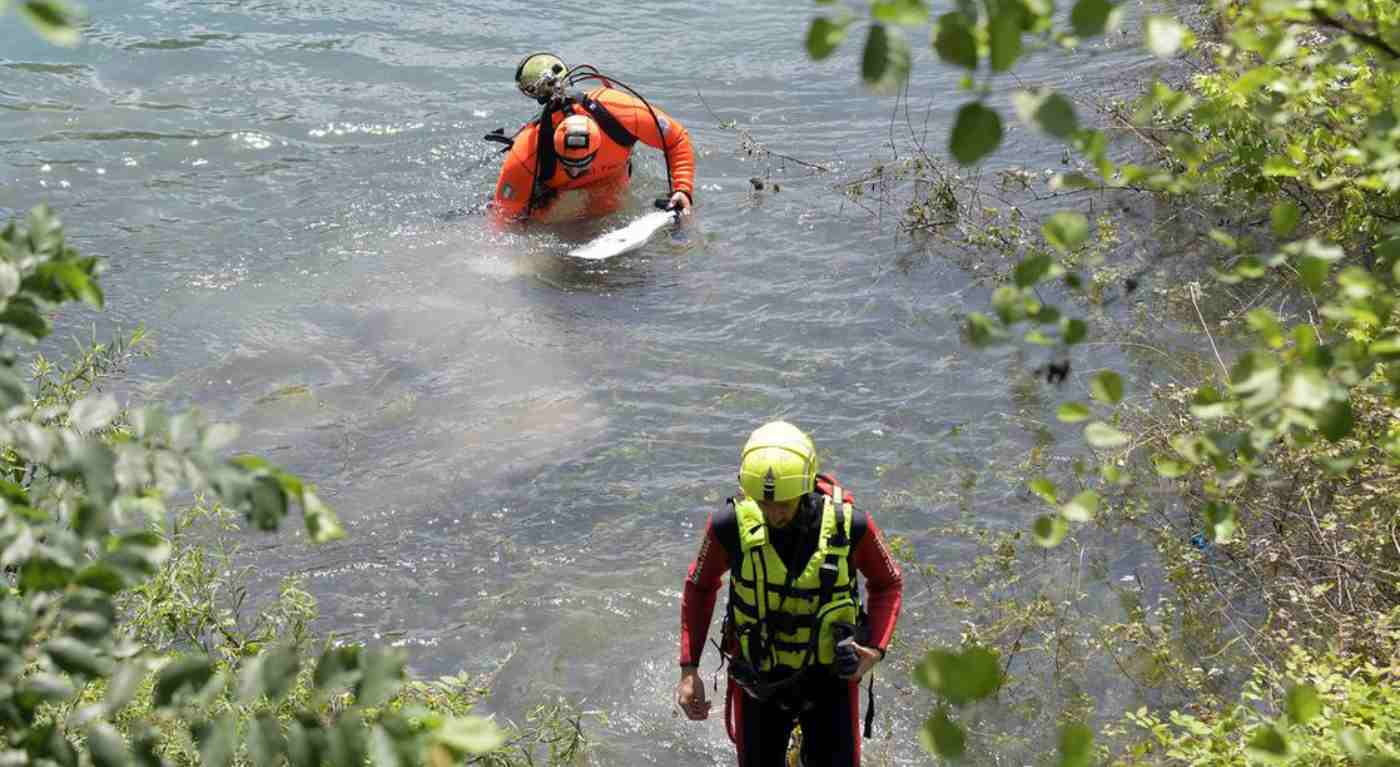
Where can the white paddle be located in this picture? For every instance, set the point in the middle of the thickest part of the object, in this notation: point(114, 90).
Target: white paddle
point(630, 237)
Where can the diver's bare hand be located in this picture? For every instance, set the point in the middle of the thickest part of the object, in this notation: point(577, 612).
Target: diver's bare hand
point(690, 694)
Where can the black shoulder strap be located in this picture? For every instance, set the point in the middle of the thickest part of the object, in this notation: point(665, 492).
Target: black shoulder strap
point(839, 539)
point(544, 159)
point(608, 122)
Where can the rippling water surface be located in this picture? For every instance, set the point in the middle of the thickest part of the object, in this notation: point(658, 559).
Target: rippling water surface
point(523, 449)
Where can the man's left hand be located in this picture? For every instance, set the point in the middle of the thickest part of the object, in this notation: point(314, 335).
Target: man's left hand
point(680, 202)
point(868, 658)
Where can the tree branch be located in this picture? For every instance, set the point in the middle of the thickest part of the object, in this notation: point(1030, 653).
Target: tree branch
point(1371, 39)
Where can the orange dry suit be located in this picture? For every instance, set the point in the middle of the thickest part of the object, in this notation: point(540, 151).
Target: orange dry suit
point(600, 189)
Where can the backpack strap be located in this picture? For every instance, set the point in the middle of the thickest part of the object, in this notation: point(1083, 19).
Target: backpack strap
point(608, 122)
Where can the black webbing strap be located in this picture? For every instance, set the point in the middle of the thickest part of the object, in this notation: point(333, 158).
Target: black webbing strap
point(609, 123)
point(540, 193)
point(839, 499)
point(869, 705)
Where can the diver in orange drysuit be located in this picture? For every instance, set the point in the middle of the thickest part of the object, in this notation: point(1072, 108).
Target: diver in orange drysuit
point(583, 166)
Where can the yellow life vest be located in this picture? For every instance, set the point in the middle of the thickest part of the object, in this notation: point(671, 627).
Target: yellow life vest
point(774, 612)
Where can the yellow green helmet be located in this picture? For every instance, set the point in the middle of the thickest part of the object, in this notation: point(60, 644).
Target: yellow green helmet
point(537, 74)
point(779, 463)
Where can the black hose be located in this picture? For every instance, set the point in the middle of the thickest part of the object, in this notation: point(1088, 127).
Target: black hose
point(585, 72)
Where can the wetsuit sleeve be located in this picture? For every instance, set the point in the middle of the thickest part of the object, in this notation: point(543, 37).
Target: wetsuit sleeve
point(516, 182)
point(884, 584)
point(672, 139)
point(698, 598)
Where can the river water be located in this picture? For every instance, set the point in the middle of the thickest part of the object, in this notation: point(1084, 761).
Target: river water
point(524, 449)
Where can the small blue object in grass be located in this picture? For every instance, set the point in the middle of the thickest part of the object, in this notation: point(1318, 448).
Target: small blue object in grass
point(1199, 541)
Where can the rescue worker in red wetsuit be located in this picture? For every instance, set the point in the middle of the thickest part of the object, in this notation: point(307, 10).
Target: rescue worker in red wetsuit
point(574, 161)
point(795, 635)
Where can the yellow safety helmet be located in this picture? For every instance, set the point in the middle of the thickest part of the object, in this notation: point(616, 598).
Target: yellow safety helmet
point(778, 463)
point(537, 74)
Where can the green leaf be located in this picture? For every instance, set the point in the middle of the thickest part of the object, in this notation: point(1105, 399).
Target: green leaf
point(381, 675)
point(954, 41)
point(1164, 36)
point(271, 673)
point(102, 576)
point(470, 735)
point(1076, 746)
point(1311, 269)
point(982, 330)
point(345, 741)
point(1048, 110)
point(976, 132)
point(1004, 32)
point(51, 19)
point(1220, 521)
point(106, 746)
point(76, 657)
point(1107, 386)
point(1103, 436)
point(1082, 507)
point(1278, 167)
point(1265, 323)
point(9, 276)
point(305, 742)
point(1307, 389)
point(1267, 744)
point(382, 751)
point(145, 747)
point(1353, 743)
point(338, 666)
point(886, 61)
point(1284, 217)
point(23, 315)
point(1072, 412)
point(44, 572)
point(1049, 530)
point(217, 741)
point(322, 525)
point(1066, 230)
point(42, 688)
point(973, 674)
point(123, 686)
point(1302, 704)
point(1009, 304)
point(1090, 17)
point(268, 504)
point(1074, 331)
point(265, 741)
point(1335, 420)
point(1168, 467)
point(1045, 489)
point(941, 737)
point(823, 37)
point(1031, 270)
point(185, 673)
point(903, 12)
point(1208, 404)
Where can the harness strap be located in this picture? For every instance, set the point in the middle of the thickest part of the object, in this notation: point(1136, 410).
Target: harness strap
point(608, 122)
point(869, 704)
point(839, 498)
point(540, 193)
point(831, 567)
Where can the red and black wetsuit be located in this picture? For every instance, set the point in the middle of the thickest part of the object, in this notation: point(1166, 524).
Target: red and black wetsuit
point(827, 707)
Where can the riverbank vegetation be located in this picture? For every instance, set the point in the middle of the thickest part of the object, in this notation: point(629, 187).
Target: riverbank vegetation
point(126, 635)
point(1261, 466)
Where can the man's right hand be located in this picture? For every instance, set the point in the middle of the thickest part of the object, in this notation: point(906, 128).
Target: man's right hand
point(690, 694)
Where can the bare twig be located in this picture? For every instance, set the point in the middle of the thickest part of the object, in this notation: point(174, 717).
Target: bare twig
point(760, 146)
point(1194, 290)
